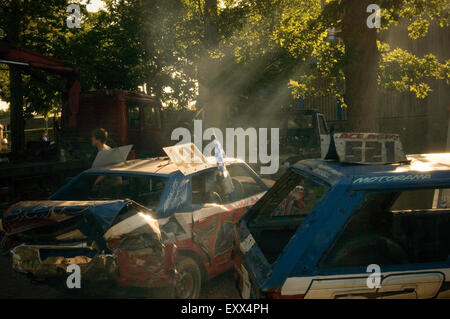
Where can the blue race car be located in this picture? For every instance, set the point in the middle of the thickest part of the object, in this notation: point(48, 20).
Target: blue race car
point(339, 228)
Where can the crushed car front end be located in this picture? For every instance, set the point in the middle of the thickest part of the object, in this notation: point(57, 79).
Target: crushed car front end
point(111, 241)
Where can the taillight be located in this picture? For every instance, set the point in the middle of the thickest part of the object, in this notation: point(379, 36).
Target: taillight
point(276, 294)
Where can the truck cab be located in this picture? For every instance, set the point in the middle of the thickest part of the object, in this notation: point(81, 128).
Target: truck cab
point(304, 134)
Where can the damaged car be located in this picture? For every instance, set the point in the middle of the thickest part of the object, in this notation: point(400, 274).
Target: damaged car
point(367, 222)
point(145, 223)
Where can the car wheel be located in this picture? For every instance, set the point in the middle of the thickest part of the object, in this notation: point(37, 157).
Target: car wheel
point(189, 279)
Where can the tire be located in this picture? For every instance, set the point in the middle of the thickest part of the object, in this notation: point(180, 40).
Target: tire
point(189, 281)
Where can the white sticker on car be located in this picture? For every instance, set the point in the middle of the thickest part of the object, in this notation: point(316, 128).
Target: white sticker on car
point(247, 244)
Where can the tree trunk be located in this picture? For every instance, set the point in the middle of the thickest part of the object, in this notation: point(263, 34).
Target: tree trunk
point(16, 107)
point(13, 29)
point(209, 69)
point(360, 69)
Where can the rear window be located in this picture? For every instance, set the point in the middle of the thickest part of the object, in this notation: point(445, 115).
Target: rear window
point(145, 190)
point(294, 197)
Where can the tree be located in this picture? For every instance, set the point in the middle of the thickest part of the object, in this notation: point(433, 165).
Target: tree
point(21, 21)
point(242, 68)
point(366, 65)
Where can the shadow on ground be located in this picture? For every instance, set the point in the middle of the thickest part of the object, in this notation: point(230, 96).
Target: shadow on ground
point(16, 285)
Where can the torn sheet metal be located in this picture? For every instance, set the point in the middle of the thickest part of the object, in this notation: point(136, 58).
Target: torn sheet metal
point(26, 216)
point(187, 157)
point(130, 252)
point(112, 156)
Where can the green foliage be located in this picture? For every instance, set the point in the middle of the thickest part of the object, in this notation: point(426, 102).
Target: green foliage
point(398, 69)
point(260, 46)
point(403, 71)
point(38, 26)
point(4, 84)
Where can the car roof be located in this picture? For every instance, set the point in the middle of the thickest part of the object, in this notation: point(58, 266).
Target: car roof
point(160, 166)
point(425, 168)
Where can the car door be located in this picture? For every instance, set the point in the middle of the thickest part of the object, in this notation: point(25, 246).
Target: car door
point(267, 235)
point(395, 246)
point(324, 135)
point(217, 211)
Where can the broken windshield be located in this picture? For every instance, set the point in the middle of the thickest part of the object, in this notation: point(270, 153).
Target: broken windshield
point(145, 190)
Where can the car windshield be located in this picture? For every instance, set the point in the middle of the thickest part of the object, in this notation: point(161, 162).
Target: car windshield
point(145, 190)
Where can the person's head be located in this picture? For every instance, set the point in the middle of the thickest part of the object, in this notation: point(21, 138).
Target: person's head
point(44, 133)
point(98, 137)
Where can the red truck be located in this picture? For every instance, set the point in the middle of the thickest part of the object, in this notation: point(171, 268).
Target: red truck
point(129, 117)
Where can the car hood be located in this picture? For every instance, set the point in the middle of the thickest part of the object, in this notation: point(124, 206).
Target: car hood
point(46, 219)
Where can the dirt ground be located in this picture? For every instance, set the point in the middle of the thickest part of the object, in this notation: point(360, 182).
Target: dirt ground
point(16, 285)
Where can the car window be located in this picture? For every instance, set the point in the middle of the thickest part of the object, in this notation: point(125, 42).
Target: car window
point(205, 189)
point(245, 185)
point(323, 130)
point(395, 228)
point(211, 187)
point(293, 196)
point(422, 199)
point(145, 190)
point(302, 122)
point(274, 219)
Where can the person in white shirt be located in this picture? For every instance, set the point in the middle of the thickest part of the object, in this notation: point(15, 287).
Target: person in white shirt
point(98, 139)
point(4, 142)
point(44, 136)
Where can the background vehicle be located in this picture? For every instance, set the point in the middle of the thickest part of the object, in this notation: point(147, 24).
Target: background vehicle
point(302, 133)
point(316, 231)
point(164, 208)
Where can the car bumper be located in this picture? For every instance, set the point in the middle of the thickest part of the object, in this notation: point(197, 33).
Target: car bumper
point(125, 268)
point(29, 260)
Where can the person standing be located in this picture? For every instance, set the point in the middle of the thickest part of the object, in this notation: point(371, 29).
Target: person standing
point(44, 136)
point(98, 139)
point(5, 140)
